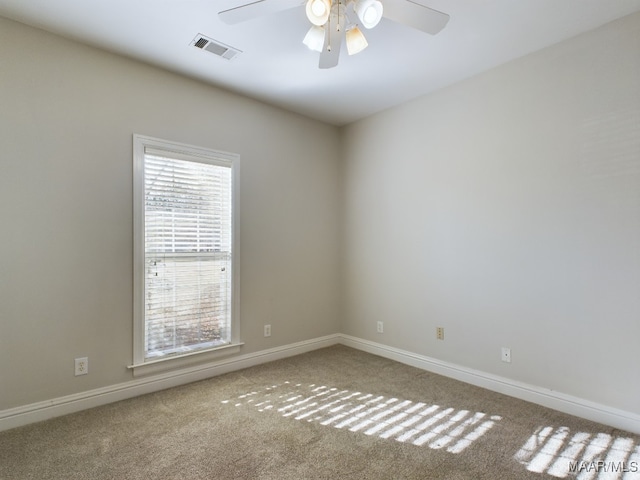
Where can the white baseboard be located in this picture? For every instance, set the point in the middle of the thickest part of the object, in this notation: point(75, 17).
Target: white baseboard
point(548, 398)
point(35, 412)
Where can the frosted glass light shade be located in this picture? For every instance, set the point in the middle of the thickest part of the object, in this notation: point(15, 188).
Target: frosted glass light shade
point(369, 12)
point(355, 41)
point(314, 39)
point(318, 11)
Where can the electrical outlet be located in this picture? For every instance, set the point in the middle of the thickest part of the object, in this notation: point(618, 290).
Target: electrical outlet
point(506, 354)
point(267, 330)
point(82, 366)
point(440, 333)
point(380, 327)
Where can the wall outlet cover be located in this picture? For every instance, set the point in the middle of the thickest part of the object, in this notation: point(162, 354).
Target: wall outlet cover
point(81, 366)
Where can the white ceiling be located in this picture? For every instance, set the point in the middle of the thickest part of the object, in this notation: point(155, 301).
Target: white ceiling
point(400, 63)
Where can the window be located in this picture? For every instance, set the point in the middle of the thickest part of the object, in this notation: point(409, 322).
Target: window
point(185, 255)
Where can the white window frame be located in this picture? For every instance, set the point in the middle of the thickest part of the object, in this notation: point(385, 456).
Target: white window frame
point(189, 152)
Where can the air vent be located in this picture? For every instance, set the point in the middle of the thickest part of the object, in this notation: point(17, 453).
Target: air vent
point(217, 48)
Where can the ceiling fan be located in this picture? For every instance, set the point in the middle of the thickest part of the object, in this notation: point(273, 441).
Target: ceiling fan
point(331, 20)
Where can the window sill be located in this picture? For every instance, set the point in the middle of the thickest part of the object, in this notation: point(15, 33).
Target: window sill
point(170, 363)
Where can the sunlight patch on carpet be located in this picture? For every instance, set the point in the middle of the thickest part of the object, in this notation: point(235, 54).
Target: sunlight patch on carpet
point(585, 456)
point(375, 415)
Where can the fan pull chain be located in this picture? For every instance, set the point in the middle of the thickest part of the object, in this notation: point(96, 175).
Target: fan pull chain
point(329, 33)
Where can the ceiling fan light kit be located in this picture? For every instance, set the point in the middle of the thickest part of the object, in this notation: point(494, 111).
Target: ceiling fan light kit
point(335, 20)
point(332, 14)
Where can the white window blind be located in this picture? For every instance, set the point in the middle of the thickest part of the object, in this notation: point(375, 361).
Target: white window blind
point(188, 271)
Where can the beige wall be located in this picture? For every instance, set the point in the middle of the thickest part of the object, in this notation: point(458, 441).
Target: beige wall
point(67, 116)
point(506, 209)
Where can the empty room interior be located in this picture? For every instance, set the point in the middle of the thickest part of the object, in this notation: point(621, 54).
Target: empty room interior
point(437, 277)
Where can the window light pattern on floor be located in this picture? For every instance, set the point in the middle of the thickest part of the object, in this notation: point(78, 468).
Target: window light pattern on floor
point(385, 417)
point(580, 455)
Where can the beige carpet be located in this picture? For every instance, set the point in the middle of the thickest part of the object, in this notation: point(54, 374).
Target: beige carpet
point(335, 413)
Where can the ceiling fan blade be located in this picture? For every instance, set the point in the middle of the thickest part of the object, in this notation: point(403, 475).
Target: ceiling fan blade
point(415, 15)
point(256, 9)
point(332, 42)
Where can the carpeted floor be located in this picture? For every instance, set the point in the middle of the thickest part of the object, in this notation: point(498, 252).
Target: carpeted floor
point(335, 413)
